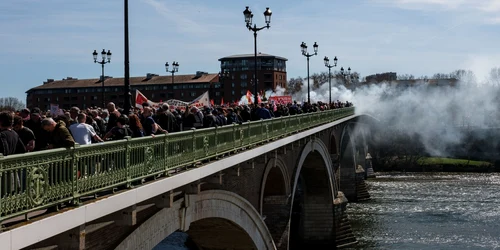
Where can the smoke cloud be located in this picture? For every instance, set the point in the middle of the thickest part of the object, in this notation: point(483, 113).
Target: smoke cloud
point(437, 114)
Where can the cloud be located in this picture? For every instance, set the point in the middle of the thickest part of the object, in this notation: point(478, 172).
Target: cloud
point(482, 10)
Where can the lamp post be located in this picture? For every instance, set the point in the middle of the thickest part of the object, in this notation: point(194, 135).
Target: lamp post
point(345, 74)
point(303, 48)
point(106, 58)
point(329, 66)
point(127, 104)
point(248, 20)
point(175, 68)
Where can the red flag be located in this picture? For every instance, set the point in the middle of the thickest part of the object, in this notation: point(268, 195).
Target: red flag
point(249, 97)
point(222, 101)
point(212, 102)
point(258, 99)
point(140, 99)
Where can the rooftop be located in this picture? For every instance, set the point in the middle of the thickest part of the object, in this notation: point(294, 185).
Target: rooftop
point(150, 79)
point(252, 56)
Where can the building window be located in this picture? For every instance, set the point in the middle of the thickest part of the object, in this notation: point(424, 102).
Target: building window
point(232, 92)
point(232, 84)
point(243, 76)
point(217, 93)
point(243, 84)
point(193, 94)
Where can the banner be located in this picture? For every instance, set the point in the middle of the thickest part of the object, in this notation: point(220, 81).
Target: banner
point(54, 110)
point(202, 100)
point(176, 103)
point(284, 99)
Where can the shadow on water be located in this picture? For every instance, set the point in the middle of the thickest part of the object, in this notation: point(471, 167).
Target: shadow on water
point(176, 241)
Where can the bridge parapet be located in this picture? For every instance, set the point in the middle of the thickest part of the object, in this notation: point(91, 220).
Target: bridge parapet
point(39, 180)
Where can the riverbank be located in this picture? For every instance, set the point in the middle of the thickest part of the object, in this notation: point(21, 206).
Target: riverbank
point(440, 164)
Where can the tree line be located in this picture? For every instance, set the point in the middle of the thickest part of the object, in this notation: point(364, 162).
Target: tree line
point(295, 84)
point(11, 104)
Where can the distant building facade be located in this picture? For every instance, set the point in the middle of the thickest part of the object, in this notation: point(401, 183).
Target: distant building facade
point(238, 71)
point(88, 92)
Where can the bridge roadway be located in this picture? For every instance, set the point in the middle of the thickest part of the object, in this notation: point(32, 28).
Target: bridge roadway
point(179, 176)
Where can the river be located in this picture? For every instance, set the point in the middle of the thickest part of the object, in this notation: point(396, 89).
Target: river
point(429, 211)
point(421, 211)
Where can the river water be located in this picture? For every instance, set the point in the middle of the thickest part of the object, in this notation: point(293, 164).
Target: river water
point(420, 211)
point(429, 211)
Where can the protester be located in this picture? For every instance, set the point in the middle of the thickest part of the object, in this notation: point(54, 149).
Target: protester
point(10, 143)
point(60, 136)
point(82, 132)
point(25, 134)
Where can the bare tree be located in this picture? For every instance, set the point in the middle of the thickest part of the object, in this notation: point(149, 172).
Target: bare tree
point(406, 77)
point(295, 85)
point(441, 76)
point(495, 76)
point(11, 103)
point(466, 76)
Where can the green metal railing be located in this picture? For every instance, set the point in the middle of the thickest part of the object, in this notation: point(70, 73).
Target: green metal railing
point(39, 180)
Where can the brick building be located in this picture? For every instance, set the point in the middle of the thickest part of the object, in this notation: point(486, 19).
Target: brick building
point(88, 92)
point(239, 70)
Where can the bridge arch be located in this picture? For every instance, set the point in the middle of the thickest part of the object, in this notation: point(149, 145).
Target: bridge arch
point(312, 214)
point(275, 181)
point(237, 223)
point(274, 198)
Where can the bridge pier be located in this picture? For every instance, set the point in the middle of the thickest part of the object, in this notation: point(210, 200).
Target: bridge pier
point(344, 236)
point(73, 239)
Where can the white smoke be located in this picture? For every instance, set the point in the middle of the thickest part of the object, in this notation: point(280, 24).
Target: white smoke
point(437, 114)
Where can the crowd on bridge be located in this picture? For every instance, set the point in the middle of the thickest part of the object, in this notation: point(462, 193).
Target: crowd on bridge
point(33, 130)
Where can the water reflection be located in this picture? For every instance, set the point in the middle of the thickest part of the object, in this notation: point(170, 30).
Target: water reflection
point(429, 211)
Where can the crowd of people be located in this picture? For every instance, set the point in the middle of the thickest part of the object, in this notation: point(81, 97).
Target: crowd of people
point(33, 130)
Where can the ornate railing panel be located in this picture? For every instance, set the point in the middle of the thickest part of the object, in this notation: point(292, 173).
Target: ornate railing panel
point(39, 180)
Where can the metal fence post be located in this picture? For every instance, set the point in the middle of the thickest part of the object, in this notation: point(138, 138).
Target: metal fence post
point(128, 150)
point(165, 142)
point(74, 181)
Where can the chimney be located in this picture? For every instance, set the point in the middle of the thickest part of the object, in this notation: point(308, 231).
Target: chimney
point(48, 81)
point(200, 74)
point(149, 76)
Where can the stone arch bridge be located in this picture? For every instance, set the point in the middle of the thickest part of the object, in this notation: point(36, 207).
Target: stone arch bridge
point(286, 191)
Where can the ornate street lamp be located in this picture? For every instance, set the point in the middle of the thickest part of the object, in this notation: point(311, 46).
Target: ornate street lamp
point(106, 58)
point(329, 66)
point(345, 74)
point(175, 68)
point(303, 48)
point(248, 20)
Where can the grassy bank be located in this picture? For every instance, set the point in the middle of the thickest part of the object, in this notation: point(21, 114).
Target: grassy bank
point(451, 161)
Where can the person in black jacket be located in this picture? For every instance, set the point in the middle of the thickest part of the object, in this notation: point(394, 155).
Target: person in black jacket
point(10, 143)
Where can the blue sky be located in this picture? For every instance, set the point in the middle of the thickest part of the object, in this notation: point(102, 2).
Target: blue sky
point(42, 39)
